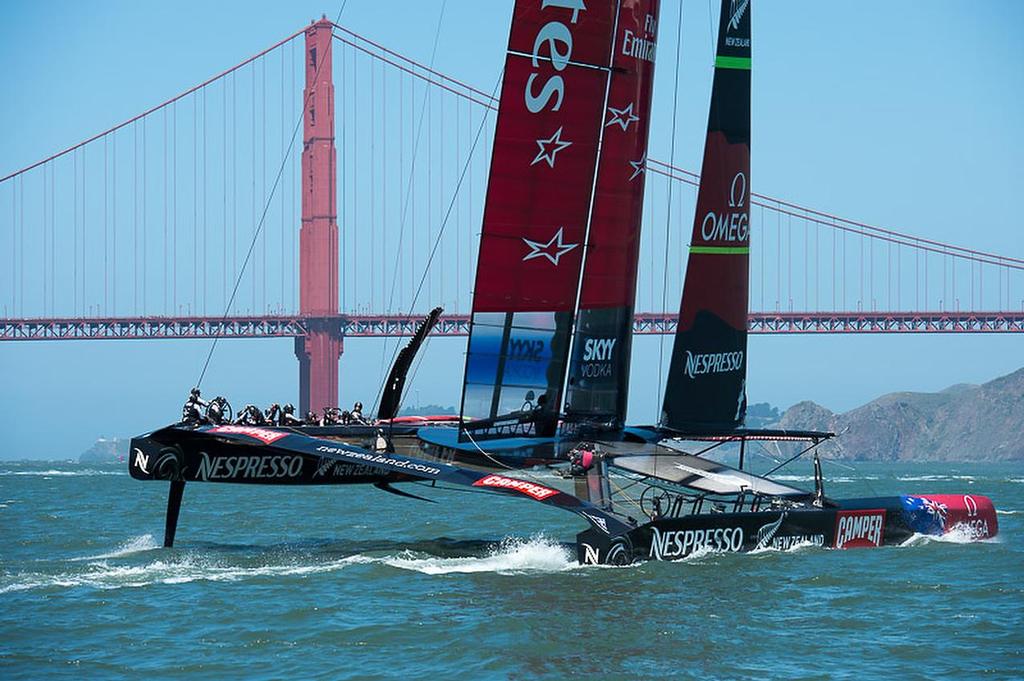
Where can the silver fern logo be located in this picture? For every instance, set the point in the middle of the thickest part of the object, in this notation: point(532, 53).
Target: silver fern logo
point(768, 532)
point(736, 10)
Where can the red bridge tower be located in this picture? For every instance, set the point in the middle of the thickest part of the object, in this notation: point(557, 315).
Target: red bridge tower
point(319, 352)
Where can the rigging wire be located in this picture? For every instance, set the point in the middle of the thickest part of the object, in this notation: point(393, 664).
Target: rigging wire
point(412, 175)
point(444, 224)
point(263, 217)
point(522, 471)
point(668, 209)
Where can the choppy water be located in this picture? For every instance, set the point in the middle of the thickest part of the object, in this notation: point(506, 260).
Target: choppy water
point(355, 583)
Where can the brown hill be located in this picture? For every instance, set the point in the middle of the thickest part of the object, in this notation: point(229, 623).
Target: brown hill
point(960, 423)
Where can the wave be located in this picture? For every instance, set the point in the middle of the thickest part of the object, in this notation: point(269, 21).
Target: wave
point(961, 534)
point(933, 478)
point(145, 542)
point(85, 472)
point(1000, 511)
point(798, 547)
point(511, 556)
point(810, 478)
point(102, 575)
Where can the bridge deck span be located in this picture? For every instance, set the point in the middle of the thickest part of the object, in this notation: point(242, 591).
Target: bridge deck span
point(381, 326)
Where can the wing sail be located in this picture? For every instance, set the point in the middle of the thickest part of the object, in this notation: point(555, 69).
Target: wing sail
point(536, 210)
point(707, 378)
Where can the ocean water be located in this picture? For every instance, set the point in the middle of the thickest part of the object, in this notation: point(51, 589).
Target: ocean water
point(350, 582)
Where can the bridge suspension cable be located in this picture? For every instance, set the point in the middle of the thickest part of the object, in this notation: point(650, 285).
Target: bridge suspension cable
point(135, 221)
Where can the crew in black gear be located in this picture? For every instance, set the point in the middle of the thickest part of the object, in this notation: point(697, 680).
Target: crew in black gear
point(251, 416)
point(273, 415)
point(357, 413)
point(288, 417)
point(216, 413)
point(192, 411)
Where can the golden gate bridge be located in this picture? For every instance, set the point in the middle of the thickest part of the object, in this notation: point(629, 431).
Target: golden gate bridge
point(156, 226)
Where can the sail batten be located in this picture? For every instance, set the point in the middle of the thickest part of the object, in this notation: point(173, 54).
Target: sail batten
point(707, 378)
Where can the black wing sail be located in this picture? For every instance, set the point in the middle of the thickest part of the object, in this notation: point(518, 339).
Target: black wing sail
point(707, 379)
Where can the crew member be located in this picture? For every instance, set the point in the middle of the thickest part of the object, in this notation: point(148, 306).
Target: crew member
point(250, 416)
point(357, 413)
point(288, 417)
point(581, 460)
point(273, 414)
point(216, 411)
point(192, 411)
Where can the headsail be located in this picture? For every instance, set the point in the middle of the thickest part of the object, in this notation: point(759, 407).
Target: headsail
point(535, 215)
point(598, 383)
point(707, 379)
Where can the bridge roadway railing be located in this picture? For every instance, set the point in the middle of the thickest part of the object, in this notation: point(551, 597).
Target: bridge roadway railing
point(382, 326)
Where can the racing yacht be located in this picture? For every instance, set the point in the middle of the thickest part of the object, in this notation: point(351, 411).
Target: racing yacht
point(546, 376)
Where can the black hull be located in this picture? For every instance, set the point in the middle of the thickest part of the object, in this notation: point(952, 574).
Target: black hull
point(185, 455)
point(281, 456)
point(853, 523)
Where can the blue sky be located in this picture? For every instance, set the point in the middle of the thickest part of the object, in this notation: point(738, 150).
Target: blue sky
point(901, 114)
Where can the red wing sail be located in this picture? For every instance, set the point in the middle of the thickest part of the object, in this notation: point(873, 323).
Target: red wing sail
point(598, 383)
point(535, 216)
point(707, 379)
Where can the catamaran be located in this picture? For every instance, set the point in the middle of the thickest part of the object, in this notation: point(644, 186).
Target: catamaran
point(547, 365)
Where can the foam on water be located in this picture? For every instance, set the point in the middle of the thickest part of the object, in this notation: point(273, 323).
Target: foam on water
point(189, 568)
point(798, 547)
point(53, 472)
point(105, 571)
point(934, 478)
point(1000, 511)
point(810, 478)
point(145, 542)
point(512, 556)
point(961, 534)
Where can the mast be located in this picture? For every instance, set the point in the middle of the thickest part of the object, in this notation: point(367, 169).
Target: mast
point(535, 214)
point(598, 377)
point(706, 386)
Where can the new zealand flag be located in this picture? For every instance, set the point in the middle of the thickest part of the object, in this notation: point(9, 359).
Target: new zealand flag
point(924, 515)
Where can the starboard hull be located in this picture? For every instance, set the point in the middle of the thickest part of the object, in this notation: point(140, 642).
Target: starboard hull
point(854, 523)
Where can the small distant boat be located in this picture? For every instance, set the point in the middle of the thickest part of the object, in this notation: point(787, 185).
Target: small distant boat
point(552, 313)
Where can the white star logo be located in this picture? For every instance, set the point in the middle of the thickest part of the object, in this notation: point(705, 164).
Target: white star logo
point(552, 250)
point(622, 117)
point(550, 147)
point(638, 167)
